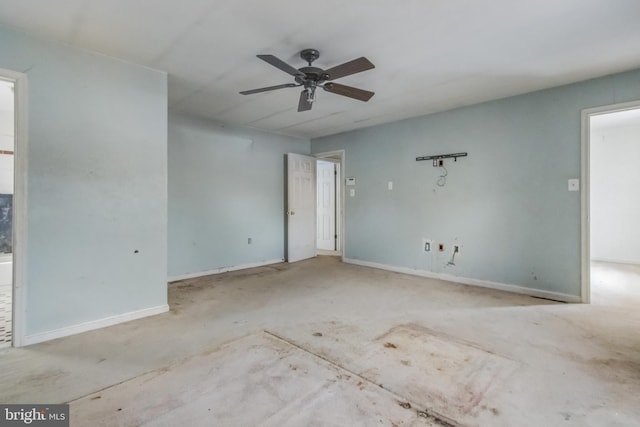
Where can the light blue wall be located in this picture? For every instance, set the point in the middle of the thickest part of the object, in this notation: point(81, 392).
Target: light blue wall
point(226, 184)
point(97, 175)
point(507, 204)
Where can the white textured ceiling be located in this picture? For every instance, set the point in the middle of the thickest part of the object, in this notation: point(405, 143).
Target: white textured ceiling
point(430, 55)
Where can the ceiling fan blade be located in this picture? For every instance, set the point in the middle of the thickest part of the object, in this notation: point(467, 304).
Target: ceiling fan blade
point(280, 64)
point(304, 104)
point(351, 92)
point(265, 89)
point(348, 68)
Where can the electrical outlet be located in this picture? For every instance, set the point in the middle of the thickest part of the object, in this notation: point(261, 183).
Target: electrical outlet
point(426, 244)
point(440, 247)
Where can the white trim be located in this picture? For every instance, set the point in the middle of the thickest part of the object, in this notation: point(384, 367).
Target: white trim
point(585, 176)
point(94, 324)
point(557, 296)
point(585, 245)
point(616, 261)
point(19, 305)
point(341, 156)
point(223, 270)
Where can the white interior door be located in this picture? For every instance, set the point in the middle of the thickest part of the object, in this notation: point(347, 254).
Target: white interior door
point(301, 207)
point(326, 187)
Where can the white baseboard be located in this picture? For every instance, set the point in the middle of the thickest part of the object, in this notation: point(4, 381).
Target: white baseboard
point(616, 261)
point(224, 270)
point(557, 296)
point(94, 324)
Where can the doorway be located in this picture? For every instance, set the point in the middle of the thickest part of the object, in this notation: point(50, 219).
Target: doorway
point(302, 206)
point(330, 202)
point(611, 177)
point(327, 179)
point(7, 148)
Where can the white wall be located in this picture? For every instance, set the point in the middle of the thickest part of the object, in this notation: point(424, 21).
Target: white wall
point(97, 185)
point(615, 194)
point(6, 173)
point(6, 125)
point(6, 137)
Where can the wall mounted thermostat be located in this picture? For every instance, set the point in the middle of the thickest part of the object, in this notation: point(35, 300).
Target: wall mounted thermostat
point(351, 181)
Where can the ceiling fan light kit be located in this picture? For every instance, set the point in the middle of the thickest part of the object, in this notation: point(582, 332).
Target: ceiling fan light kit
point(311, 78)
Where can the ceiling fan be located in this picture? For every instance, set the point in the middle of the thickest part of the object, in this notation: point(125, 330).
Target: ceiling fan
point(313, 77)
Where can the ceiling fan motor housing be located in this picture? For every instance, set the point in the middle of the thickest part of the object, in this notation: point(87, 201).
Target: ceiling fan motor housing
point(314, 74)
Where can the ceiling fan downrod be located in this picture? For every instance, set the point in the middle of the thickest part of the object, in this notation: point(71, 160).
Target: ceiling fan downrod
point(310, 55)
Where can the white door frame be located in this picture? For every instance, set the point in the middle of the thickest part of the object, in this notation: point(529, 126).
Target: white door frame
point(585, 175)
point(338, 155)
point(20, 151)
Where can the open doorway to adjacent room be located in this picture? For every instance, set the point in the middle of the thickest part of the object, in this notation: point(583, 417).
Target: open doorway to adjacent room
point(7, 146)
point(614, 205)
point(329, 215)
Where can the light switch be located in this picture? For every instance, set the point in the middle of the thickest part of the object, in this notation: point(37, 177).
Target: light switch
point(574, 184)
point(390, 185)
point(352, 192)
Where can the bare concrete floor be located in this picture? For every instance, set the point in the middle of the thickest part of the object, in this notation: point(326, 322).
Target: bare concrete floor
point(467, 355)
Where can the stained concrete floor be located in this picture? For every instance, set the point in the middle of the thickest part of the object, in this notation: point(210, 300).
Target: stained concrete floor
point(467, 355)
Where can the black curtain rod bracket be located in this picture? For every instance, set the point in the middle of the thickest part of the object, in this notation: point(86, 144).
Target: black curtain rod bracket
point(442, 156)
